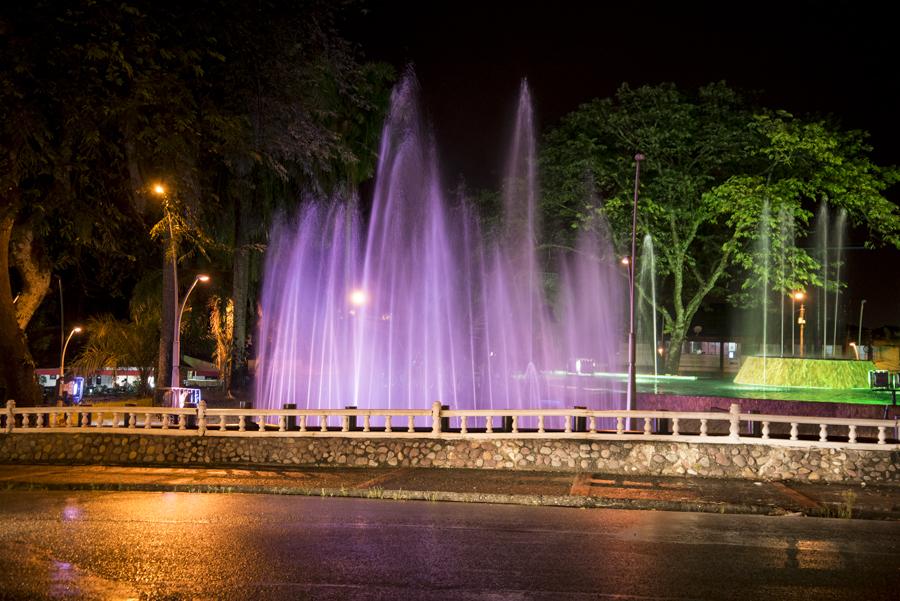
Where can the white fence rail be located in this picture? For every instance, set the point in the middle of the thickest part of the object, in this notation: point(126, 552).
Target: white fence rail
point(696, 427)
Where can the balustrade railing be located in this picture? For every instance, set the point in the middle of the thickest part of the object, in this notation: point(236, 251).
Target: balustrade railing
point(700, 427)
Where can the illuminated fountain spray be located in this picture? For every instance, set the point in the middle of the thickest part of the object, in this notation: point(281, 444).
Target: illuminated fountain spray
point(414, 306)
point(647, 329)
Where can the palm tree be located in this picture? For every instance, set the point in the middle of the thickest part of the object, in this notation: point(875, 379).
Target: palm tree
point(116, 343)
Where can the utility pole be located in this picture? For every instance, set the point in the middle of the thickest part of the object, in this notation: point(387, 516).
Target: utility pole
point(632, 351)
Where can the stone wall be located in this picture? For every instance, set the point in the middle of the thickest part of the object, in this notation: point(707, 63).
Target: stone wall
point(612, 457)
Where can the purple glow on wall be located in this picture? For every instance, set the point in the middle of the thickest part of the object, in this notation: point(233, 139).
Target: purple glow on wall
point(416, 306)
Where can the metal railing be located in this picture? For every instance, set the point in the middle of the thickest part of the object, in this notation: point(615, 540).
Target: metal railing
point(674, 426)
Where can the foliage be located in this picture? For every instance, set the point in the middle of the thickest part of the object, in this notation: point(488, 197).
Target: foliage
point(98, 98)
point(113, 343)
point(716, 174)
point(221, 331)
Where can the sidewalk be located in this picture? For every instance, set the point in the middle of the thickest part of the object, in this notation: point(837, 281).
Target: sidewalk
point(480, 486)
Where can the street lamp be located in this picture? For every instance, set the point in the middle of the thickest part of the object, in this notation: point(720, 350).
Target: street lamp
point(801, 319)
point(176, 341)
point(160, 190)
point(358, 298)
point(859, 333)
point(62, 359)
point(632, 380)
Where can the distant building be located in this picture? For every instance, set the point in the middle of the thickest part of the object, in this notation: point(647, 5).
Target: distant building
point(105, 378)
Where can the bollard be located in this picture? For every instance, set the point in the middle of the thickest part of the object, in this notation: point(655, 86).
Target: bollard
point(351, 419)
point(734, 425)
point(579, 422)
point(10, 417)
point(201, 417)
point(290, 423)
point(85, 417)
point(436, 421)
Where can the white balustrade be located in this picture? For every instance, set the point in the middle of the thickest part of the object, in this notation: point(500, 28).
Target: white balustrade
point(713, 427)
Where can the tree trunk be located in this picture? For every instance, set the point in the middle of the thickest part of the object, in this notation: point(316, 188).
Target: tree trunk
point(143, 386)
point(138, 196)
point(240, 285)
point(17, 367)
point(31, 264)
point(164, 366)
point(675, 345)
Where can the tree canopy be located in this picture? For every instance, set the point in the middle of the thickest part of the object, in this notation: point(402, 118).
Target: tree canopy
point(717, 170)
point(99, 98)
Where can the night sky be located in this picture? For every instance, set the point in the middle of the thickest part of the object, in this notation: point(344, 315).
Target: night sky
point(836, 58)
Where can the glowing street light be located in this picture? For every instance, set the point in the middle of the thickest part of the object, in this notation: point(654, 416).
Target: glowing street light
point(62, 359)
point(799, 296)
point(160, 190)
point(795, 296)
point(176, 341)
point(358, 298)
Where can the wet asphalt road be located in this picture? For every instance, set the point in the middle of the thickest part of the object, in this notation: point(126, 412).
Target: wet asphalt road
point(89, 545)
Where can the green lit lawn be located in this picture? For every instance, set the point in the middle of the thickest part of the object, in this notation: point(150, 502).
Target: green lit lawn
point(726, 388)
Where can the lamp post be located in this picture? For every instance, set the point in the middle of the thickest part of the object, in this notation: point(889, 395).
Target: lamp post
point(632, 380)
point(358, 298)
point(62, 358)
point(859, 332)
point(176, 340)
point(801, 319)
point(160, 190)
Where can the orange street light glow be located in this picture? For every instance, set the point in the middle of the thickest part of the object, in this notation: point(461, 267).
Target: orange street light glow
point(159, 189)
point(358, 298)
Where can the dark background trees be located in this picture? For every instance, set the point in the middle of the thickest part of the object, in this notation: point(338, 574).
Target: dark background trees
point(718, 172)
point(237, 116)
point(244, 108)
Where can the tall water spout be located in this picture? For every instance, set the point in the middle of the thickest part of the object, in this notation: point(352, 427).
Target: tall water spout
point(839, 230)
point(822, 230)
point(764, 256)
point(647, 324)
point(413, 305)
point(786, 240)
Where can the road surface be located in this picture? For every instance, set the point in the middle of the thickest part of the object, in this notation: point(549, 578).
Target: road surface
point(129, 545)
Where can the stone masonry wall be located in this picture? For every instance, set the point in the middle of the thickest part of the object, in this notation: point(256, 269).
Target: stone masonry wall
point(744, 461)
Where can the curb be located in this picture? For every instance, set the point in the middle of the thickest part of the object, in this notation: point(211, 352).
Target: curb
point(571, 501)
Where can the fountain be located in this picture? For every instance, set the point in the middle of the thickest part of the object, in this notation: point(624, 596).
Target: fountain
point(647, 332)
point(413, 305)
point(824, 366)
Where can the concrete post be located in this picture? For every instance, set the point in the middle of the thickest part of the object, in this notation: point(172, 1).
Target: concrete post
point(201, 417)
point(734, 428)
point(436, 417)
point(10, 420)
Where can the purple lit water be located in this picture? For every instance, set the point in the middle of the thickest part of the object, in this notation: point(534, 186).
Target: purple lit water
point(415, 306)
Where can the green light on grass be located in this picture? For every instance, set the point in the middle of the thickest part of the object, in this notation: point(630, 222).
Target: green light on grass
point(604, 374)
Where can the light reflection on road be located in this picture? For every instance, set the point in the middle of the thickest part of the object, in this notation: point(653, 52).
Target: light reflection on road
point(220, 546)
